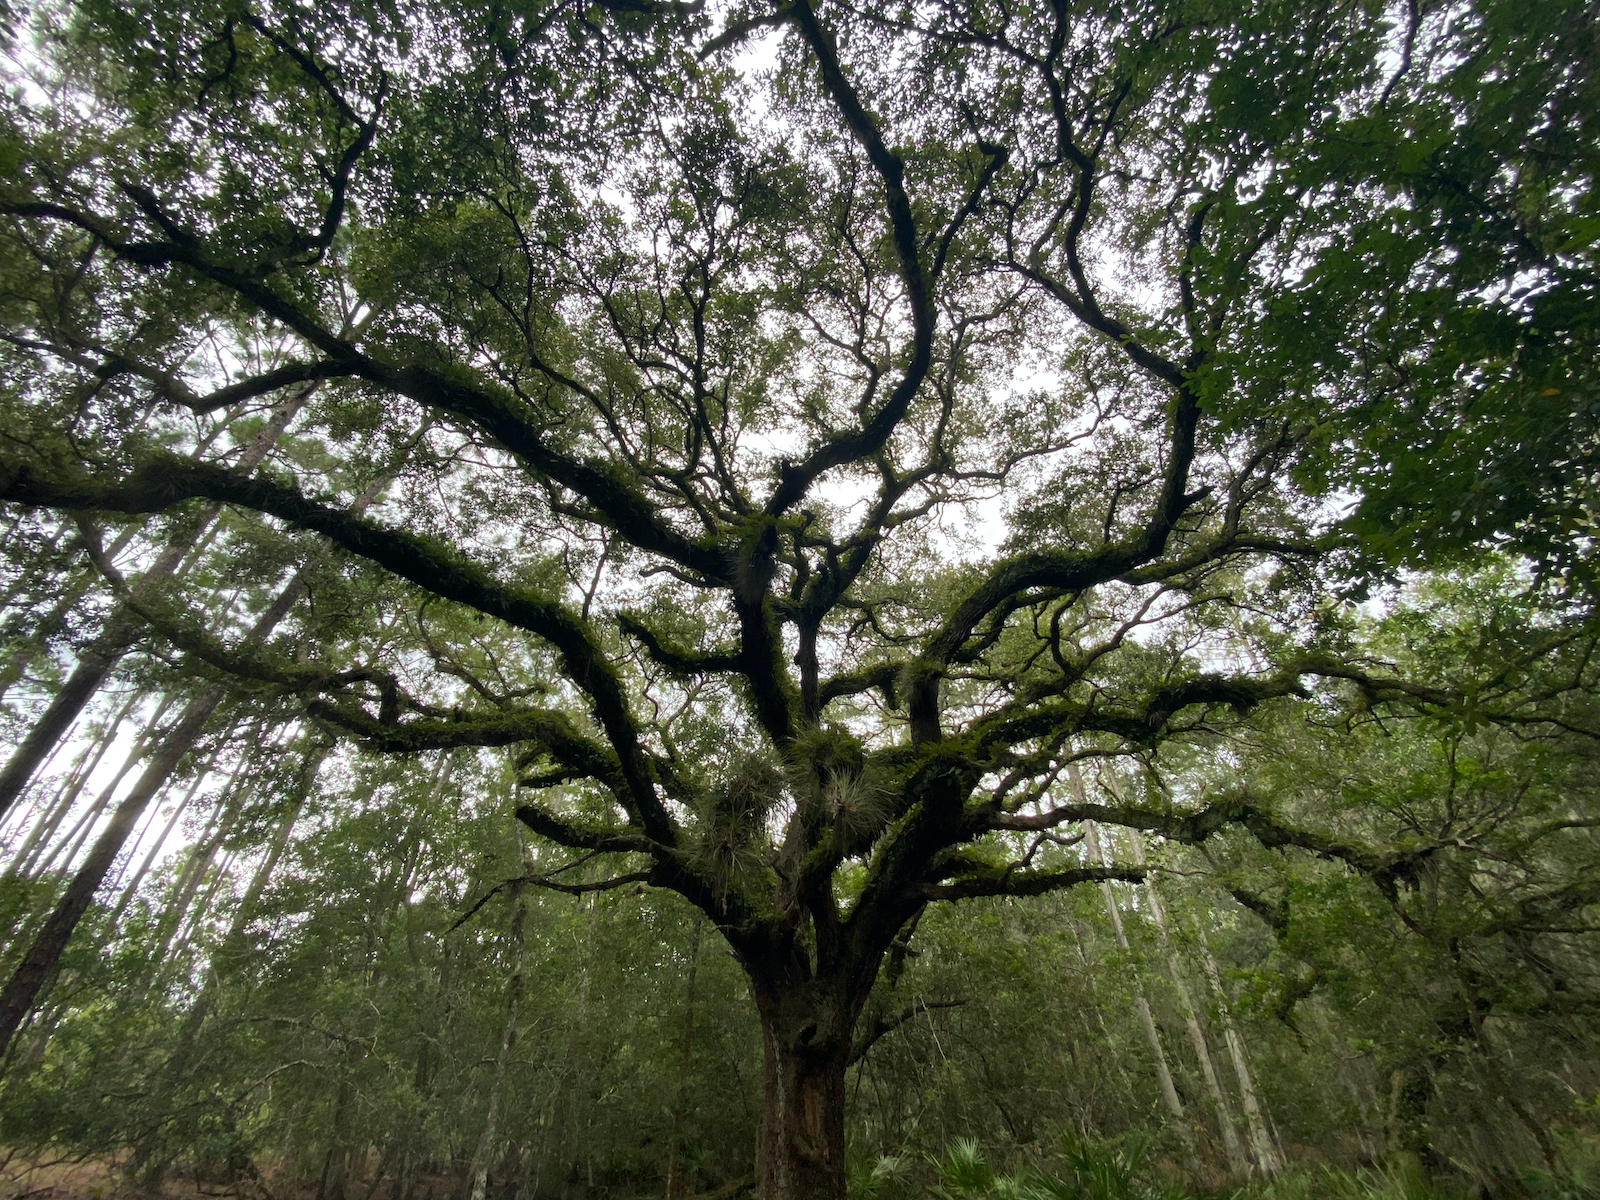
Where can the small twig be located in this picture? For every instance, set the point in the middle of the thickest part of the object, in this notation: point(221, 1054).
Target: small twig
point(886, 1025)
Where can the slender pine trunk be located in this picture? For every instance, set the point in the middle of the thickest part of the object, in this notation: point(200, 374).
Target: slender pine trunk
point(482, 1156)
point(242, 915)
point(73, 590)
point(1169, 1092)
point(39, 962)
point(131, 888)
point(184, 890)
point(214, 879)
point(45, 828)
point(67, 849)
point(336, 1166)
point(231, 947)
point(1261, 1141)
point(60, 714)
point(1128, 1096)
point(1232, 1147)
point(122, 627)
point(20, 993)
point(677, 1149)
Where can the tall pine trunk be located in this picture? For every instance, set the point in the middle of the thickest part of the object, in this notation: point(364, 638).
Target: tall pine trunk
point(483, 1155)
point(22, 990)
point(44, 827)
point(1232, 1147)
point(677, 1151)
point(122, 626)
point(72, 592)
point(40, 961)
point(1261, 1140)
point(131, 888)
point(1147, 1021)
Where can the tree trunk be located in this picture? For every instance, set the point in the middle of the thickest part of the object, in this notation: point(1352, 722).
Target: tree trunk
point(1232, 1147)
point(304, 782)
point(1261, 1141)
point(805, 1042)
point(221, 872)
point(131, 888)
point(36, 966)
point(1368, 1103)
point(1115, 1061)
point(336, 1166)
point(230, 950)
point(482, 1156)
point(1147, 1021)
point(122, 626)
point(64, 707)
point(677, 1151)
point(66, 851)
point(73, 590)
point(44, 828)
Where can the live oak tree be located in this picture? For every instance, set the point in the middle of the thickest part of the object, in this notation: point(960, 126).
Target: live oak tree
point(843, 418)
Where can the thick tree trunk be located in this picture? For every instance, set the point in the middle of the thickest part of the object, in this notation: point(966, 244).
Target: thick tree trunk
point(806, 1040)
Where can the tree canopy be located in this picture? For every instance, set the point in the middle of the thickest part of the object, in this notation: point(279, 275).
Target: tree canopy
point(812, 440)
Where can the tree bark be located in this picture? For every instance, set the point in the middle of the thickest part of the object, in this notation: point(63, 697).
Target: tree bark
point(1232, 1147)
point(1261, 1140)
point(1147, 1021)
point(805, 1041)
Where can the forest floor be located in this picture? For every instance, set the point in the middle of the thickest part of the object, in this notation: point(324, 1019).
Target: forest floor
point(36, 1178)
point(47, 1179)
point(43, 1179)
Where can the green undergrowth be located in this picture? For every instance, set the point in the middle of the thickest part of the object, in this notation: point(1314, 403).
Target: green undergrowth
point(1121, 1170)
